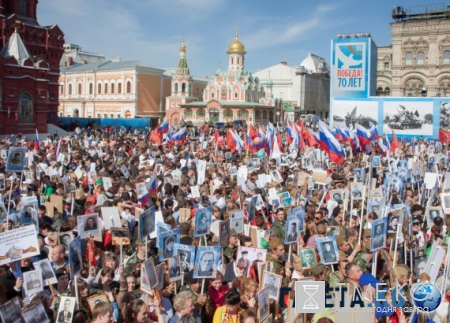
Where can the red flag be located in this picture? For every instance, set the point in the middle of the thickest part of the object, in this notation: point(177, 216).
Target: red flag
point(394, 144)
point(253, 133)
point(216, 135)
point(444, 135)
point(156, 138)
point(230, 142)
point(90, 253)
point(312, 142)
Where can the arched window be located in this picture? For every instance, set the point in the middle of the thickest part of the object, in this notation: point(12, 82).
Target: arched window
point(111, 115)
point(257, 115)
point(106, 88)
point(79, 88)
point(242, 114)
point(99, 115)
point(420, 58)
point(188, 112)
point(70, 89)
point(26, 108)
point(105, 115)
point(408, 59)
point(227, 113)
point(112, 88)
point(223, 93)
point(446, 57)
point(212, 94)
point(91, 88)
point(119, 88)
point(264, 115)
point(271, 116)
point(128, 87)
point(76, 113)
point(235, 95)
point(175, 88)
point(99, 89)
point(128, 114)
point(200, 112)
point(183, 87)
point(61, 89)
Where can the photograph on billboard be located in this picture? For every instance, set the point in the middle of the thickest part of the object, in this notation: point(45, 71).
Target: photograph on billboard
point(349, 113)
point(444, 122)
point(408, 118)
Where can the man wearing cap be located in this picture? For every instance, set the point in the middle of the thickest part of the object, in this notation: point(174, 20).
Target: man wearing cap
point(243, 262)
point(318, 271)
point(338, 276)
point(276, 253)
point(364, 258)
point(230, 250)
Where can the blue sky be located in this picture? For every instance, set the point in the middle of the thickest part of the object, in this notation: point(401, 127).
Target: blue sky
point(272, 31)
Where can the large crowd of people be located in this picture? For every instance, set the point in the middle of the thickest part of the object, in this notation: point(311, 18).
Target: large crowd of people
point(216, 233)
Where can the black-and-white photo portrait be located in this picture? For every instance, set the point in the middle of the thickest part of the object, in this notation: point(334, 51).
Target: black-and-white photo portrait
point(47, 273)
point(36, 314)
point(327, 249)
point(273, 284)
point(33, 282)
point(65, 238)
point(65, 311)
point(224, 233)
point(10, 311)
point(378, 234)
point(174, 268)
point(392, 223)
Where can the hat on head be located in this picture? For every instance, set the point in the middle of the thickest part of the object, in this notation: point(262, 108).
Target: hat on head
point(61, 272)
point(367, 233)
point(233, 233)
point(368, 279)
point(401, 271)
point(275, 243)
point(340, 240)
point(317, 269)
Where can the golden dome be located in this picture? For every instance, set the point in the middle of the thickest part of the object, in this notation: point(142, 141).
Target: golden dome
point(183, 47)
point(236, 46)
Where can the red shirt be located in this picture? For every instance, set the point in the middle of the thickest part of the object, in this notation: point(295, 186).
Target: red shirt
point(218, 296)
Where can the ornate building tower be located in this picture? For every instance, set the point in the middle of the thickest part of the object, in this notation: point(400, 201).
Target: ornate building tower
point(181, 85)
point(236, 53)
point(29, 68)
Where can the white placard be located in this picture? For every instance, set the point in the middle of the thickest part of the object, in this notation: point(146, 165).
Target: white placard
point(201, 171)
point(18, 244)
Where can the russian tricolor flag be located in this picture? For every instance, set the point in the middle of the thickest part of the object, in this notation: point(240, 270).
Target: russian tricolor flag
point(329, 143)
point(36, 142)
point(181, 135)
point(340, 134)
point(374, 131)
point(352, 138)
point(364, 136)
point(163, 127)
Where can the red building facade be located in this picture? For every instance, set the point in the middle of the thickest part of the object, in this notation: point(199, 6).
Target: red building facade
point(29, 69)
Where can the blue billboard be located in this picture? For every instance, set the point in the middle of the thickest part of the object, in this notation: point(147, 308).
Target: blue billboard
point(353, 74)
